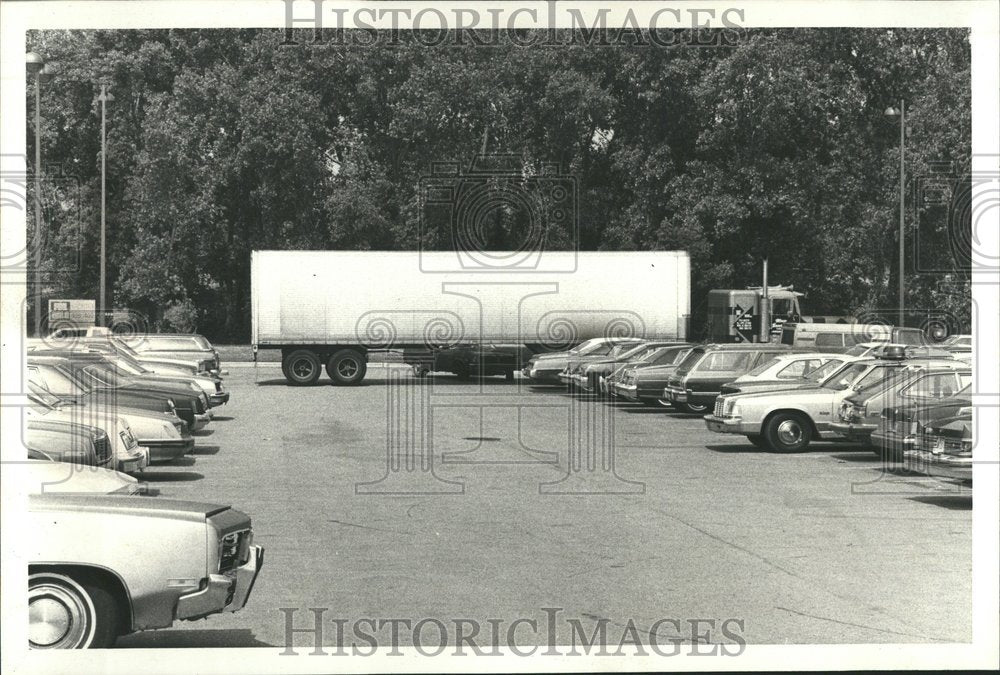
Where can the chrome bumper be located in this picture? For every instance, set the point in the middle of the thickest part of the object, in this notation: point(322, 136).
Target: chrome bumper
point(137, 462)
point(939, 466)
point(218, 398)
point(224, 592)
point(675, 394)
point(167, 450)
point(629, 391)
point(730, 425)
point(853, 431)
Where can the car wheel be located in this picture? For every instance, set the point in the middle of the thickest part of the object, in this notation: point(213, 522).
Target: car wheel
point(758, 441)
point(888, 454)
point(664, 403)
point(788, 432)
point(420, 371)
point(302, 367)
point(694, 408)
point(347, 367)
point(66, 614)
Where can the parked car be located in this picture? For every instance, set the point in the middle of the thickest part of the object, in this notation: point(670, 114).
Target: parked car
point(127, 455)
point(181, 346)
point(957, 343)
point(611, 374)
point(860, 412)
point(166, 437)
point(94, 379)
point(698, 379)
point(589, 373)
point(77, 444)
point(643, 383)
point(105, 566)
point(44, 476)
point(812, 378)
point(898, 423)
point(839, 337)
point(546, 367)
point(126, 366)
point(118, 347)
point(789, 420)
point(943, 448)
point(573, 375)
point(475, 361)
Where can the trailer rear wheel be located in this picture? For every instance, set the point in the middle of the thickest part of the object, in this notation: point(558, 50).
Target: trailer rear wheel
point(347, 367)
point(301, 367)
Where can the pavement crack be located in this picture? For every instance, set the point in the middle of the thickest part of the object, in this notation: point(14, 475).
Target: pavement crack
point(366, 527)
point(861, 625)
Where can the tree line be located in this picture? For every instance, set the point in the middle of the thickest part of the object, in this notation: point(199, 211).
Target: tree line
point(225, 141)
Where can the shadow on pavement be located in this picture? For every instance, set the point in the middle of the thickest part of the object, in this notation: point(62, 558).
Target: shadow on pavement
point(748, 447)
point(221, 418)
point(170, 476)
point(236, 637)
point(955, 502)
point(205, 450)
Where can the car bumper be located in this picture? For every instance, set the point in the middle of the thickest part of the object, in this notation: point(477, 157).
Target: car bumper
point(224, 592)
point(939, 466)
point(730, 425)
point(138, 461)
point(541, 375)
point(201, 421)
point(854, 431)
point(891, 440)
point(218, 398)
point(675, 395)
point(165, 450)
point(628, 391)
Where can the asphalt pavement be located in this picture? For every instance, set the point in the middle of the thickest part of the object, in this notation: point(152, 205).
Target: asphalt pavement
point(444, 500)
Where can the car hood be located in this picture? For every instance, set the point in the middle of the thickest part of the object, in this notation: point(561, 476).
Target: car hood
point(799, 394)
point(959, 426)
point(154, 508)
point(44, 477)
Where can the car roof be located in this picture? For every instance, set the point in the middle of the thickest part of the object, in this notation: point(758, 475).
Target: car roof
point(745, 346)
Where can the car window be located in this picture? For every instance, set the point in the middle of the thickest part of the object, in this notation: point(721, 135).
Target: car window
point(841, 379)
point(692, 358)
point(797, 369)
point(858, 350)
point(910, 336)
point(940, 385)
point(620, 350)
point(766, 358)
point(760, 369)
point(595, 347)
point(964, 381)
point(725, 361)
point(830, 340)
point(56, 381)
point(874, 376)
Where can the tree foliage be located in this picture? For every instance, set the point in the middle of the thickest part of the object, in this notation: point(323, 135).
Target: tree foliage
point(224, 141)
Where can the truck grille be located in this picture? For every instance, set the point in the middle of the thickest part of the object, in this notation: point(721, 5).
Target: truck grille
point(234, 550)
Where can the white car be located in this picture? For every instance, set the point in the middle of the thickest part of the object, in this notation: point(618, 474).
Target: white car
point(787, 420)
point(48, 477)
point(790, 367)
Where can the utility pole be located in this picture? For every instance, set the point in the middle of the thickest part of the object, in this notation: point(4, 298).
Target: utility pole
point(902, 206)
point(103, 98)
point(765, 310)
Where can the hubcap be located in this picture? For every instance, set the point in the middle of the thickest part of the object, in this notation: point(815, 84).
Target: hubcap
point(302, 368)
point(347, 368)
point(57, 618)
point(789, 432)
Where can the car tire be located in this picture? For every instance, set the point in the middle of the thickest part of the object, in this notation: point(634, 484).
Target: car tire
point(788, 432)
point(88, 611)
point(302, 367)
point(758, 441)
point(693, 408)
point(347, 367)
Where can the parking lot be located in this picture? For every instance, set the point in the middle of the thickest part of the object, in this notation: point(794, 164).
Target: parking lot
point(815, 547)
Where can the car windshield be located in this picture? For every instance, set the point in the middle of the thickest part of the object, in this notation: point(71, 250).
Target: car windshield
point(124, 346)
point(691, 359)
point(858, 350)
point(586, 346)
point(620, 350)
point(638, 352)
point(99, 374)
point(842, 378)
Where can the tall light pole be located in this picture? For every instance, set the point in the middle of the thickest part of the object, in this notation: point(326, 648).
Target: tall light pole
point(103, 98)
point(901, 113)
point(36, 67)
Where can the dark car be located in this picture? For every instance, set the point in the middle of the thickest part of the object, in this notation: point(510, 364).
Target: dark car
point(699, 378)
point(93, 380)
point(943, 447)
point(473, 360)
point(181, 346)
point(588, 373)
point(898, 423)
point(644, 382)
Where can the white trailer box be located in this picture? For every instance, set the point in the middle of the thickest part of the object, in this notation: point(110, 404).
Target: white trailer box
point(317, 305)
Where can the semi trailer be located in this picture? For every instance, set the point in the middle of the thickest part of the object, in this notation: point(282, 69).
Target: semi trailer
point(331, 309)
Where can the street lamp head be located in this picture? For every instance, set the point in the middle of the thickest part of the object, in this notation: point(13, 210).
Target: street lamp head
point(46, 74)
point(34, 63)
point(892, 111)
